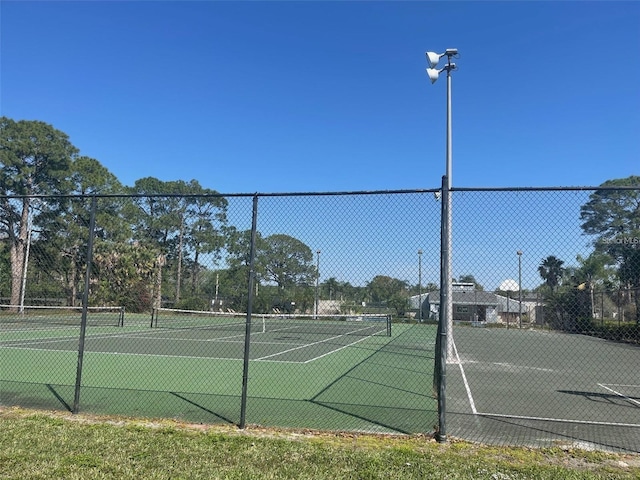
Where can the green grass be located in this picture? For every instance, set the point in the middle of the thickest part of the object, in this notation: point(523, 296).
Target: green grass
point(41, 445)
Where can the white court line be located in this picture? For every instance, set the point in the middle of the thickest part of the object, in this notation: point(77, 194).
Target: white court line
point(521, 367)
point(311, 359)
point(334, 351)
point(145, 336)
point(42, 341)
point(39, 341)
point(628, 399)
point(622, 385)
point(559, 420)
point(228, 338)
point(464, 379)
point(547, 419)
point(311, 344)
point(137, 354)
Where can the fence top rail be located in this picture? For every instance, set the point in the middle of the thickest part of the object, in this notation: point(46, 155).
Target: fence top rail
point(218, 195)
point(336, 193)
point(542, 189)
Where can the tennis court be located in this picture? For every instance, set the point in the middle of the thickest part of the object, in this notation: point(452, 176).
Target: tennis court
point(529, 387)
point(565, 388)
point(346, 373)
point(299, 339)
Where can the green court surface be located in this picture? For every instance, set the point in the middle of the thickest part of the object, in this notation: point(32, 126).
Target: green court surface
point(334, 381)
point(527, 387)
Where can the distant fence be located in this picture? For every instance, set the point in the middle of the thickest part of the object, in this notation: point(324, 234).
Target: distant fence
point(277, 308)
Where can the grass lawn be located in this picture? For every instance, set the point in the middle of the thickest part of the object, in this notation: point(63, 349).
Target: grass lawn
point(48, 445)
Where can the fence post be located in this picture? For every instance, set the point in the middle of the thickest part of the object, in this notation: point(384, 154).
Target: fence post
point(85, 304)
point(443, 320)
point(247, 334)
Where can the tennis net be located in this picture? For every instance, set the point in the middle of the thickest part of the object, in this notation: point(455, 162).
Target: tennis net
point(359, 325)
point(34, 315)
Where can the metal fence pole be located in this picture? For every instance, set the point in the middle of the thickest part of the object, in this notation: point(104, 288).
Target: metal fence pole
point(443, 319)
point(85, 304)
point(247, 334)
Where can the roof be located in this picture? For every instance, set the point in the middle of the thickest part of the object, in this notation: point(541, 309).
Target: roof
point(475, 297)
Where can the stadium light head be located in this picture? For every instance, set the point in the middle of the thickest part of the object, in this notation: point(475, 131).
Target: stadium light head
point(433, 58)
point(433, 73)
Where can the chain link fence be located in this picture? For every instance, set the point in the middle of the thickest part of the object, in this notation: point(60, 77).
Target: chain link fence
point(546, 322)
point(321, 310)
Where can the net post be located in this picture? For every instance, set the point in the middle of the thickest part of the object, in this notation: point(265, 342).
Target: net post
point(388, 325)
point(121, 318)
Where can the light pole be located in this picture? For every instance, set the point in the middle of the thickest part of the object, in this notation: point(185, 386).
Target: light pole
point(519, 252)
point(434, 73)
point(445, 321)
point(420, 285)
point(315, 308)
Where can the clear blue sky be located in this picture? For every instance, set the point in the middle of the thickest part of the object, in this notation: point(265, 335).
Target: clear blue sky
point(331, 96)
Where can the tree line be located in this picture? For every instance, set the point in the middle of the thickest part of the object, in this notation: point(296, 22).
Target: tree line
point(611, 217)
point(151, 239)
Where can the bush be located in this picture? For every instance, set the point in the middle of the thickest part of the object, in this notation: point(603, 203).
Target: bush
point(628, 333)
point(193, 303)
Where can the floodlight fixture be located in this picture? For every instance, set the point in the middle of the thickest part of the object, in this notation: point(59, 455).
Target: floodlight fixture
point(434, 58)
point(434, 73)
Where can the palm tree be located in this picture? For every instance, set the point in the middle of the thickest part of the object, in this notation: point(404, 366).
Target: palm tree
point(593, 269)
point(331, 286)
point(551, 271)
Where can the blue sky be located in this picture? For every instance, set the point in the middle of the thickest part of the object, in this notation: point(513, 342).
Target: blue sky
point(301, 96)
point(331, 96)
